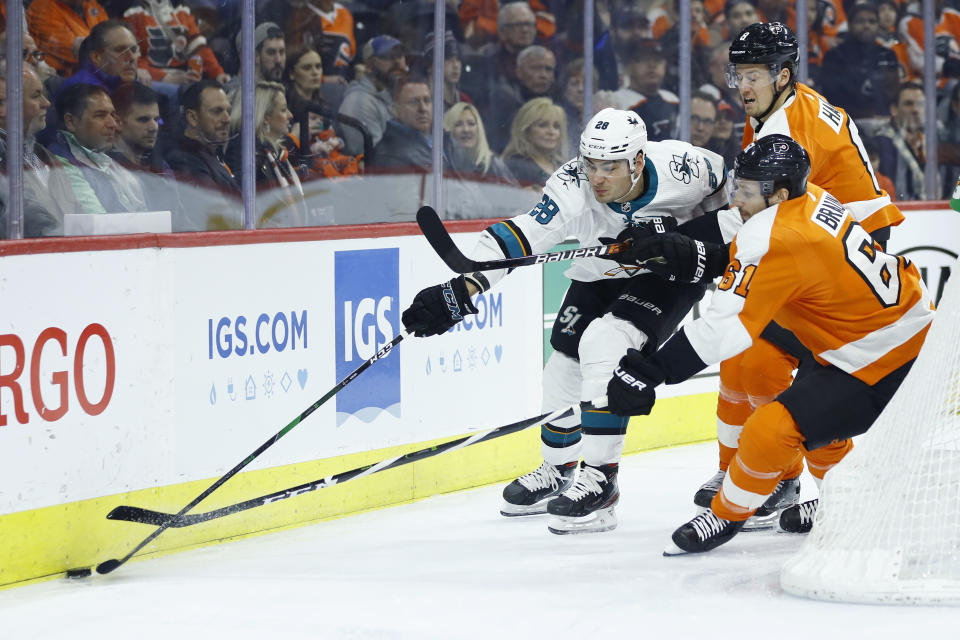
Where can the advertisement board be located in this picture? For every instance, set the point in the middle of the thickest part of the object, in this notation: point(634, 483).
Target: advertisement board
point(124, 370)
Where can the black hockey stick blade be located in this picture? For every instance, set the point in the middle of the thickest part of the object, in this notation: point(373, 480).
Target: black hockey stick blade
point(110, 565)
point(157, 518)
point(438, 237)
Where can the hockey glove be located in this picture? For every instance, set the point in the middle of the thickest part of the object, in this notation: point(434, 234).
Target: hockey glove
point(679, 258)
point(637, 233)
point(630, 391)
point(435, 309)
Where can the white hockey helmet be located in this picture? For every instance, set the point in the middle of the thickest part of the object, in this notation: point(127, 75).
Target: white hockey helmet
point(614, 134)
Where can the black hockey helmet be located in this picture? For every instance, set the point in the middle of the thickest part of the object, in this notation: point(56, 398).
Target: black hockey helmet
point(777, 161)
point(770, 43)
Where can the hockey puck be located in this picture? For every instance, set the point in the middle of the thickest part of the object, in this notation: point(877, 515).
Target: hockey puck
point(79, 573)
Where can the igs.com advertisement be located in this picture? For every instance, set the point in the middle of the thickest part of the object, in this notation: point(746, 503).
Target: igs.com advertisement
point(366, 304)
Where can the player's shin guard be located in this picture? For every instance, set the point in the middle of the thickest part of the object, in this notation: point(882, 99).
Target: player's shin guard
point(769, 445)
point(561, 439)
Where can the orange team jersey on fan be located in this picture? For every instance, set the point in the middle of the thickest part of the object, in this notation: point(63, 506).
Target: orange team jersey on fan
point(338, 26)
point(157, 53)
point(838, 161)
point(661, 22)
point(806, 264)
point(481, 16)
point(55, 25)
point(911, 30)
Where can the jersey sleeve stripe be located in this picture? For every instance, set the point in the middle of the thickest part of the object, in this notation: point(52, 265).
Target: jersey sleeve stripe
point(510, 238)
point(861, 353)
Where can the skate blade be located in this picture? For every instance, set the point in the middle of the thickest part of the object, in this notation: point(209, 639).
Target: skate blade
point(596, 522)
point(514, 510)
point(673, 550)
point(762, 523)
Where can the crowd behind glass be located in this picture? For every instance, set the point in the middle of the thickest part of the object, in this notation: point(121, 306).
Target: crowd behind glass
point(135, 105)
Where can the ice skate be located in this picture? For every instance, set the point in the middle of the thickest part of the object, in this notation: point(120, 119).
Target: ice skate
point(587, 506)
point(799, 517)
point(529, 494)
point(786, 495)
point(704, 495)
point(703, 533)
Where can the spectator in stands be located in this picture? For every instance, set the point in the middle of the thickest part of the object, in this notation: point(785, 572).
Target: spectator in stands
point(888, 17)
point(572, 97)
point(858, 73)
point(47, 191)
point(737, 16)
point(629, 25)
point(902, 145)
point(138, 112)
point(172, 48)
point(727, 139)
point(873, 154)
point(88, 130)
point(470, 153)
point(303, 77)
point(496, 61)
point(367, 99)
point(946, 39)
point(646, 95)
point(59, 26)
point(322, 155)
point(699, 40)
point(276, 170)
point(703, 118)
point(948, 148)
point(197, 156)
point(407, 142)
point(452, 69)
point(481, 20)
point(324, 25)
point(777, 11)
point(108, 57)
point(536, 77)
point(32, 56)
point(727, 97)
point(537, 145)
point(270, 52)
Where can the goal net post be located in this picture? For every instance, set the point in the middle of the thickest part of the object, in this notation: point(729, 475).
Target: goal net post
point(887, 529)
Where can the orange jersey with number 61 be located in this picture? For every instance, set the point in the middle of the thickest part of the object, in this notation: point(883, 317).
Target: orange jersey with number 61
point(808, 265)
point(838, 161)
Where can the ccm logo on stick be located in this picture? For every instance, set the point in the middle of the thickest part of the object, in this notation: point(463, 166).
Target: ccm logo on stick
point(11, 378)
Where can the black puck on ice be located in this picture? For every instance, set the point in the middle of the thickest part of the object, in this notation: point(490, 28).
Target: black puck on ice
point(79, 573)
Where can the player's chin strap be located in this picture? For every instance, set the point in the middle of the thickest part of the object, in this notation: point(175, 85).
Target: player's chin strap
point(634, 179)
point(776, 97)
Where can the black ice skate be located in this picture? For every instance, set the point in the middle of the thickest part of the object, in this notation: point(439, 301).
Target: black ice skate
point(704, 495)
point(703, 533)
point(799, 517)
point(529, 494)
point(786, 495)
point(587, 506)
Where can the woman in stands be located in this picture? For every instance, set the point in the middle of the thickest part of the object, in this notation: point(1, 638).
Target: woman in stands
point(470, 152)
point(276, 173)
point(538, 143)
point(322, 157)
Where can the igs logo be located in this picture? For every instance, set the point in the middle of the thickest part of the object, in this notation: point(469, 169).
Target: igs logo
point(367, 310)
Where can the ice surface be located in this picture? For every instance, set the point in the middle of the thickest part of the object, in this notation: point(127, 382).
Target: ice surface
point(452, 567)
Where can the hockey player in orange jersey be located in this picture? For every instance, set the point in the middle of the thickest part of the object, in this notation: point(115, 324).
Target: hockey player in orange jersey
point(763, 65)
point(801, 259)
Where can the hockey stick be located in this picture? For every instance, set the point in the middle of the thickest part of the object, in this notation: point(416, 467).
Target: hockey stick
point(109, 565)
point(438, 237)
point(158, 518)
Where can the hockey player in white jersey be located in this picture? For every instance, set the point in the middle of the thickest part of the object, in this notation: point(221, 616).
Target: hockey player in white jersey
point(620, 186)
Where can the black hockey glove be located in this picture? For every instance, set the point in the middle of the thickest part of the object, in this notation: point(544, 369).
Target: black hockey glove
point(679, 258)
point(630, 391)
point(636, 233)
point(435, 309)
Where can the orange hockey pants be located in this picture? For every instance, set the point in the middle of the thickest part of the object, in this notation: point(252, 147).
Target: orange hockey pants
point(771, 447)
